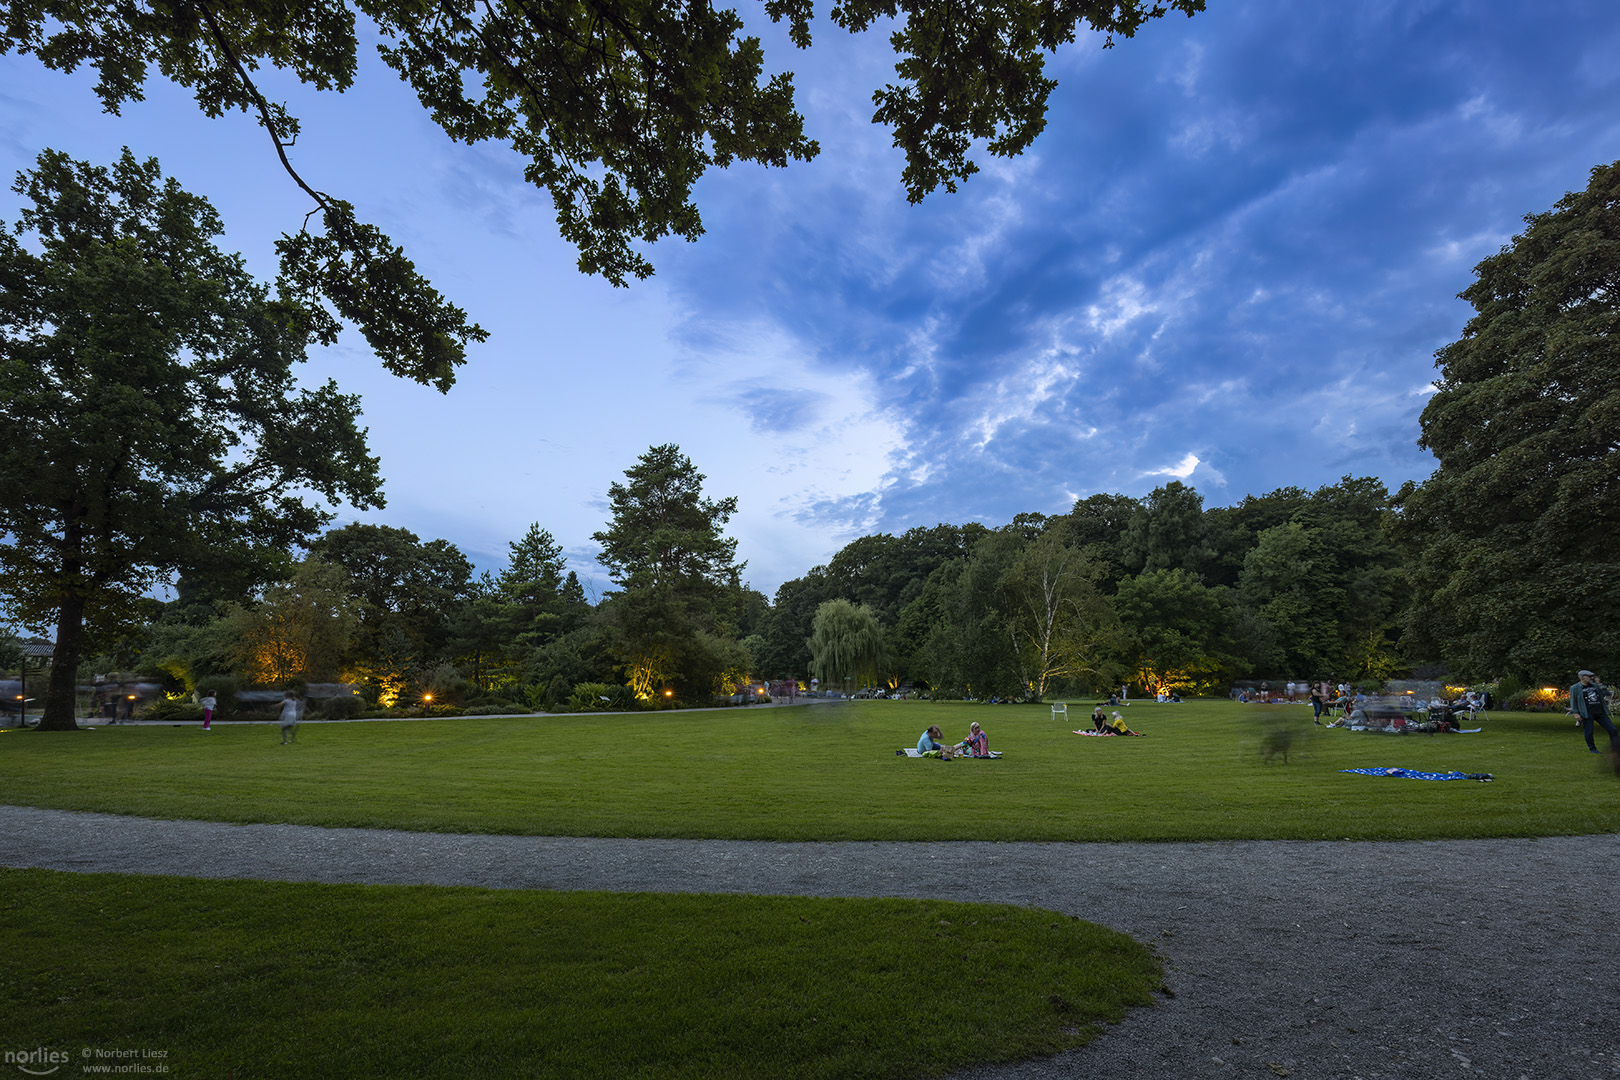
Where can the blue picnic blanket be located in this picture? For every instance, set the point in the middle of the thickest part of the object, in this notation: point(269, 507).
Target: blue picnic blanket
point(1414, 774)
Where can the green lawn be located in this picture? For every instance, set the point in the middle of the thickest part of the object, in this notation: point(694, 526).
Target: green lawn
point(829, 772)
point(266, 979)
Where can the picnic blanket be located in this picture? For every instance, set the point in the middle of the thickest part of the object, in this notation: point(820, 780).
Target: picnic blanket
point(1098, 734)
point(912, 751)
point(1414, 774)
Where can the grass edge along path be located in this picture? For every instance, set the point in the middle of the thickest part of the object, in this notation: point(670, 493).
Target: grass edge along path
point(829, 773)
point(271, 979)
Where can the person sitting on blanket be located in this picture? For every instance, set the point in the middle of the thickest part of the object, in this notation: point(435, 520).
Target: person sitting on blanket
point(1117, 725)
point(977, 744)
point(930, 746)
point(1099, 719)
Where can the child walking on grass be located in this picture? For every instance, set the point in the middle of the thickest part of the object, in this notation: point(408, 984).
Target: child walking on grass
point(292, 710)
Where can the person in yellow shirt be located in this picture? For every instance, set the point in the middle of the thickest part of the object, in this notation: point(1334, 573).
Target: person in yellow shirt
point(1116, 724)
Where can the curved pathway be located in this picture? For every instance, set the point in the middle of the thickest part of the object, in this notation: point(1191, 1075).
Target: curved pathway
point(1489, 958)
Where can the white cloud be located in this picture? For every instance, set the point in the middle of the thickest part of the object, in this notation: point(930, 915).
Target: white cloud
point(1181, 470)
point(1124, 300)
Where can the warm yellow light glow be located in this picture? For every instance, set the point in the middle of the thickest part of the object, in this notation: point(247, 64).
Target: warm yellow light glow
point(669, 693)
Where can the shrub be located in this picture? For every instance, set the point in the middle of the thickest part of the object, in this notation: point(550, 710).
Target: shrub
point(346, 707)
point(591, 697)
point(1535, 701)
point(494, 708)
point(557, 694)
point(447, 684)
point(1508, 687)
point(167, 711)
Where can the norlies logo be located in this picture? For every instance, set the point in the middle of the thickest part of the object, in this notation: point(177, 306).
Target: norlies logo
point(38, 1061)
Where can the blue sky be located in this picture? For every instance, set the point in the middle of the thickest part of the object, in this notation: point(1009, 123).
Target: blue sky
point(1228, 260)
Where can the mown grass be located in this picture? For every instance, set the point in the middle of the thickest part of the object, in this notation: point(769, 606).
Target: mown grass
point(269, 979)
point(829, 772)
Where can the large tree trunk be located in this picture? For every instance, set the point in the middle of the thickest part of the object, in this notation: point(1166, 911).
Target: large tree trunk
point(62, 696)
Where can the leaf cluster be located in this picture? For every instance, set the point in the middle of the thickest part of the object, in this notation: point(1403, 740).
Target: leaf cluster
point(971, 70)
point(617, 106)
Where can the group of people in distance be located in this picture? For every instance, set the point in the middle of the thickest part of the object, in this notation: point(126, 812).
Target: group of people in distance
point(977, 744)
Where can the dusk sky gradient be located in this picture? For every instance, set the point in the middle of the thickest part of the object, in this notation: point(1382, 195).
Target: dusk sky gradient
point(1228, 260)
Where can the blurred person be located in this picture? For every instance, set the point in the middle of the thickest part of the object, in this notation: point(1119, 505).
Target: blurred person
point(1589, 699)
point(292, 710)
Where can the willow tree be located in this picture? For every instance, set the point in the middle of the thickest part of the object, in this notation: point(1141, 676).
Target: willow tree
point(151, 416)
point(846, 642)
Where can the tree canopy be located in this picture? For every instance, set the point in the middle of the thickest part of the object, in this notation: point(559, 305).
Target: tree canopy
point(1514, 535)
point(618, 107)
point(664, 532)
point(151, 414)
point(680, 586)
point(846, 643)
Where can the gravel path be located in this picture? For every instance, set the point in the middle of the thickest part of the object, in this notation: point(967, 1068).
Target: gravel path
point(1490, 958)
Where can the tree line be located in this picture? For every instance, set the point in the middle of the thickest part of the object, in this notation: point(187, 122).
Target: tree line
point(407, 621)
point(1156, 592)
point(154, 431)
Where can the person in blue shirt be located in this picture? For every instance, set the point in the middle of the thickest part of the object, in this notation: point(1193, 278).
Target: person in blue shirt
point(930, 744)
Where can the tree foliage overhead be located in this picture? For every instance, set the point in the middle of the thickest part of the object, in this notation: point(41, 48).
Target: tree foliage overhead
point(1515, 533)
point(971, 71)
point(618, 107)
point(149, 403)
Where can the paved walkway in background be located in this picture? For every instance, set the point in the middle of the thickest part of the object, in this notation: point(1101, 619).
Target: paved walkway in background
point(1490, 958)
point(270, 718)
